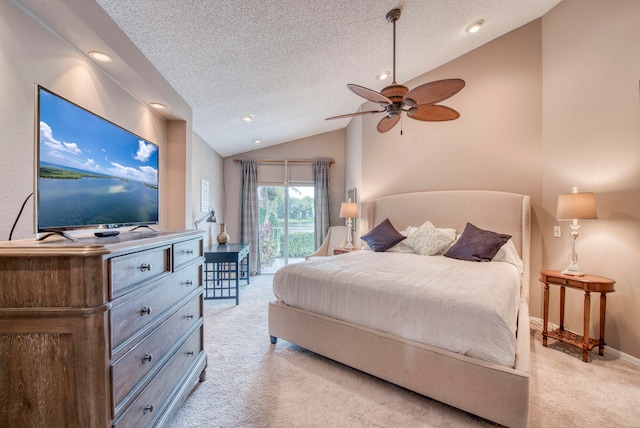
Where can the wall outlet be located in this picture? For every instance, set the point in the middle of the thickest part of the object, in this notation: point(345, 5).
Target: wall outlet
point(556, 232)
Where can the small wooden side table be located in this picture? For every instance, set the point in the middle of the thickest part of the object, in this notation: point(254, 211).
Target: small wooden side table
point(587, 283)
point(337, 251)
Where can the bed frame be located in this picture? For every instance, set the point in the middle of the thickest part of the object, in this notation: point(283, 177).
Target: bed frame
point(494, 392)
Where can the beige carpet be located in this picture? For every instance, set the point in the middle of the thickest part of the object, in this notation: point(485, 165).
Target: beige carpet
point(251, 383)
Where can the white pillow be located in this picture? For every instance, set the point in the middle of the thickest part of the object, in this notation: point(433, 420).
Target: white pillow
point(508, 253)
point(428, 240)
point(402, 247)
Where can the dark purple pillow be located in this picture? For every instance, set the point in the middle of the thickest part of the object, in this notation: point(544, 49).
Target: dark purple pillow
point(382, 237)
point(477, 245)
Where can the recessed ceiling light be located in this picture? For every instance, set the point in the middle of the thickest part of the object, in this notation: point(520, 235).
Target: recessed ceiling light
point(257, 142)
point(157, 106)
point(473, 28)
point(247, 118)
point(383, 75)
point(100, 56)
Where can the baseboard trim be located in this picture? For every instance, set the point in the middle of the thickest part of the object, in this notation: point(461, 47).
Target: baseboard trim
point(615, 352)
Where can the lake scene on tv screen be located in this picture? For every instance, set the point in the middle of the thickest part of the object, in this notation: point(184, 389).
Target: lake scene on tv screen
point(91, 171)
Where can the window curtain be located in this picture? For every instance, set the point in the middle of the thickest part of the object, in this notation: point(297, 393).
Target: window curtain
point(249, 213)
point(322, 205)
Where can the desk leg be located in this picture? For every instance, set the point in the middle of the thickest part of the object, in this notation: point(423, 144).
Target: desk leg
point(546, 314)
point(603, 307)
point(562, 294)
point(237, 281)
point(587, 315)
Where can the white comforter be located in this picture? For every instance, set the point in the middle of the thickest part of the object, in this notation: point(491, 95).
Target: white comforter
point(465, 307)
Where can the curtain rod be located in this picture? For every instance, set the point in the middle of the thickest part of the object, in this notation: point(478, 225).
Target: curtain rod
point(281, 161)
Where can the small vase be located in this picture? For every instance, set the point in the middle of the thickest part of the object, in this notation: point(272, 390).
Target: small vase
point(223, 236)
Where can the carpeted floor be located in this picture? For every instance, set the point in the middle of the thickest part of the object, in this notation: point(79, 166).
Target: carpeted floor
point(251, 383)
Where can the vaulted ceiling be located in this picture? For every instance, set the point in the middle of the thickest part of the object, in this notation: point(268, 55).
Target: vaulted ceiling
point(287, 62)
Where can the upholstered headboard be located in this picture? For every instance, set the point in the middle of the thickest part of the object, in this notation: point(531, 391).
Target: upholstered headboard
point(500, 212)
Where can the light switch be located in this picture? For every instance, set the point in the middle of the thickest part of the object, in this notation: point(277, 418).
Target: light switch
point(556, 232)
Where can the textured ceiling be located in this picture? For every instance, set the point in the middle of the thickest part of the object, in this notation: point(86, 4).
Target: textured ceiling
point(287, 61)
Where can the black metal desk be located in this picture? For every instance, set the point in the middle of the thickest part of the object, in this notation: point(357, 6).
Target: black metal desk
point(224, 267)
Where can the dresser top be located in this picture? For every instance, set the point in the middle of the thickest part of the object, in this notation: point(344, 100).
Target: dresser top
point(91, 245)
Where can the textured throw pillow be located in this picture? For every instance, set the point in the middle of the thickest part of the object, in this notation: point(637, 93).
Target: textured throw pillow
point(477, 245)
point(427, 240)
point(382, 237)
point(402, 247)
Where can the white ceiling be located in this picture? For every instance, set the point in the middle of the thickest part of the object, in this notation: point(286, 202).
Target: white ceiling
point(287, 61)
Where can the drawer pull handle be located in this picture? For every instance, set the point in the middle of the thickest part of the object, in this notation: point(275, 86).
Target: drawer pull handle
point(190, 316)
point(145, 311)
point(147, 358)
point(145, 267)
point(190, 353)
point(147, 409)
point(189, 283)
point(189, 252)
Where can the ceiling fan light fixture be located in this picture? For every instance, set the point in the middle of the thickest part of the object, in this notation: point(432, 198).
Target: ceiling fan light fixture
point(475, 27)
point(247, 118)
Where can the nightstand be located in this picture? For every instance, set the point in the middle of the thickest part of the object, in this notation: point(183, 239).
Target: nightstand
point(587, 283)
point(337, 251)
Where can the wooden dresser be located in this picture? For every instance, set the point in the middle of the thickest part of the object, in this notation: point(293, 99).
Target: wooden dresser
point(100, 332)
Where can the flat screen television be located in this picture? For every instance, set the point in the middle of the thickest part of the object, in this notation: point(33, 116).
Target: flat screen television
point(91, 173)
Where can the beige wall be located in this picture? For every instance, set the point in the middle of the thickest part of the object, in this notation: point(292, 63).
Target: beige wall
point(207, 165)
point(548, 106)
point(330, 144)
point(591, 139)
point(496, 144)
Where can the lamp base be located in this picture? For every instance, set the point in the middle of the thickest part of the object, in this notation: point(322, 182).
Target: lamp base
point(573, 272)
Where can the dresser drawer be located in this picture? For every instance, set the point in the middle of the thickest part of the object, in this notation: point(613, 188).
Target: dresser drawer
point(136, 268)
point(128, 371)
point(136, 313)
point(152, 399)
point(185, 252)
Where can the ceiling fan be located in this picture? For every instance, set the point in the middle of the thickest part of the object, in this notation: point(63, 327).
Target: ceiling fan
point(419, 103)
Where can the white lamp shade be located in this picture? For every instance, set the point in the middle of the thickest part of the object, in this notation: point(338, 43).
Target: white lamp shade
point(576, 206)
point(349, 210)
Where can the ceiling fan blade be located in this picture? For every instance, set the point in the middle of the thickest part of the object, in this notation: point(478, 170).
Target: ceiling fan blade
point(369, 94)
point(387, 122)
point(430, 113)
point(360, 113)
point(433, 92)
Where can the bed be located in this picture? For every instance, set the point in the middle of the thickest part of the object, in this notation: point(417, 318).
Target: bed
point(492, 385)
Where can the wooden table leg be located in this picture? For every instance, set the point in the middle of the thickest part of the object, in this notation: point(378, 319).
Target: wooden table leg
point(603, 307)
point(562, 291)
point(546, 314)
point(587, 314)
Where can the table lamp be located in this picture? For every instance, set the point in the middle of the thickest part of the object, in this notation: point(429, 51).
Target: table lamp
point(575, 206)
point(349, 210)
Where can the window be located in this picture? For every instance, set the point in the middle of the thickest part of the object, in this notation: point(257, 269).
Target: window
point(285, 239)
